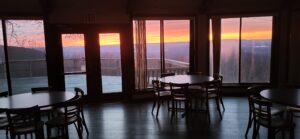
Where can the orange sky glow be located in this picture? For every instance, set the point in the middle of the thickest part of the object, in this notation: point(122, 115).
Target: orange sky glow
point(174, 31)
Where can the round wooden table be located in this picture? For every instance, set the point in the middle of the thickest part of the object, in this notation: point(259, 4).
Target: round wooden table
point(287, 96)
point(190, 79)
point(42, 99)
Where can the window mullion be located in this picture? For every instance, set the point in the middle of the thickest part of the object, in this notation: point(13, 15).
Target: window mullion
point(162, 47)
point(6, 57)
point(240, 49)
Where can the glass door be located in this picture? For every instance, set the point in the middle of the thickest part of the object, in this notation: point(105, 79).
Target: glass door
point(74, 61)
point(110, 61)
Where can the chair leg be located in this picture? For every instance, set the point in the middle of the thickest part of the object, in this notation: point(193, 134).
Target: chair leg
point(173, 110)
point(153, 106)
point(250, 120)
point(84, 123)
point(271, 133)
point(7, 131)
point(48, 132)
point(255, 130)
point(67, 131)
point(218, 107)
point(79, 128)
point(158, 106)
point(207, 110)
point(221, 100)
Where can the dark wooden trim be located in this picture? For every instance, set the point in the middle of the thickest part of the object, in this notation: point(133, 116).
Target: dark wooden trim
point(163, 17)
point(192, 46)
point(93, 64)
point(240, 50)
point(54, 57)
point(243, 14)
point(5, 45)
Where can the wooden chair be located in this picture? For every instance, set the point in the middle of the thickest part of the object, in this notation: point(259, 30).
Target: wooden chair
point(70, 115)
point(253, 91)
point(79, 95)
point(3, 117)
point(179, 94)
point(220, 78)
point(159, 96)
point(293, 112)
point(211, 90)
point(25, 121)
point(45, 110)
point(261, 110)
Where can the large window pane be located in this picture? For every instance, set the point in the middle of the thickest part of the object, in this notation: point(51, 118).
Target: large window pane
point(110, 62)
point(74, 61)
point(153, 49)
point(229, 62)
point(3, 79)
point(177, 45)
point(26, 53)
point(256, 49)
point(211, 57)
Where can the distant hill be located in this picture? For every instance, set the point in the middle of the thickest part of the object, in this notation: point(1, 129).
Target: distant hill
point(21, 53)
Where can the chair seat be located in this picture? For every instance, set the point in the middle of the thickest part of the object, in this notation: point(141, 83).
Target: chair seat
point(210, 95)
point(3, 115)
point(60, 121)
point(3, 122)
point(276, 110)
point(179, 97)
point(277, 122)
point(61, 111)
point(46, 109)
point(293, 109)
point(195, 88)
point(28, 128)
point(163, 93)
point(168, 88)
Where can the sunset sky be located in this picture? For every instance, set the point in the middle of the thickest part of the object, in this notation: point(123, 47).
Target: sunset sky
point(27, 33)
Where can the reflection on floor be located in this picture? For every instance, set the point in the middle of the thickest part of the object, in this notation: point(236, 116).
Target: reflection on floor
point(133, 120)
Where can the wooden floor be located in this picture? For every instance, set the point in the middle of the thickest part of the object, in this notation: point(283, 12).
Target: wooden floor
point(133, 120)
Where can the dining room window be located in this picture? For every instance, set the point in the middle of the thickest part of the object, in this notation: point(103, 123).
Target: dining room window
point(165, 44)
point(246, 44)
point(26, 54)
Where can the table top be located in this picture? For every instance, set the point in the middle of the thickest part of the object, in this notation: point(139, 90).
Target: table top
point(42, 99)
point(287, 96)
point(191, 79)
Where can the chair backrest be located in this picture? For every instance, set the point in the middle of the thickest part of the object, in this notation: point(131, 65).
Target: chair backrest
point(261, 109)
point(167, 74)
point(179, 90)
point(218, 76)
point(214, 85)
point(23, 117)
point(156, 85)
point(78, 91)
point(4, 94)
point(194, 73)
point(40, 89)
point(72, 109)
point(255, 90)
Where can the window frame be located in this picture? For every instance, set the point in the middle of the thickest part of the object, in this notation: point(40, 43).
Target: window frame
point(5, 46)
point(192, 45)
point(240, 17)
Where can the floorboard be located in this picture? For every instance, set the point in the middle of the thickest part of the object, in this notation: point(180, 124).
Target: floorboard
point(134, 120)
